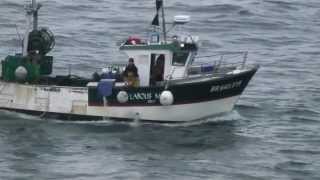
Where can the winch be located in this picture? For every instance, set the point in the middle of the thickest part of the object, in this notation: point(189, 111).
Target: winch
point(41, 40)
point(33, 62)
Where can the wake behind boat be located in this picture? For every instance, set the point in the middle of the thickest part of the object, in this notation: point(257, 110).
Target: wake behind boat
point(167, 83)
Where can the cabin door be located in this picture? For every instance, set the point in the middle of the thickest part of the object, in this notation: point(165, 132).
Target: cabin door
point(157, 68)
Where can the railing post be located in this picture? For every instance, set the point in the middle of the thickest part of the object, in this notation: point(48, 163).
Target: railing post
point(69, 69)
point(169, 78)
point(220, 62)
point(245, 57)
point(215, 68)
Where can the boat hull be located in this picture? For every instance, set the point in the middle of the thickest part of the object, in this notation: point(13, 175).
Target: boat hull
point(159, 114)
point(193, 100)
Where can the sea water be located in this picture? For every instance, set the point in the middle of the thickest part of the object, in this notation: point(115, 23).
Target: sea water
point(273, 132)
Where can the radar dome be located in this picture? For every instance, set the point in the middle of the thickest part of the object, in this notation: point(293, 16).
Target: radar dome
point(181, 19)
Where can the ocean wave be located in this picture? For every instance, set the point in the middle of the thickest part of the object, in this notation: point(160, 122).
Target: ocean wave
point(216, 8)
point(11, 4)
point(300, 152)
point(282, 4)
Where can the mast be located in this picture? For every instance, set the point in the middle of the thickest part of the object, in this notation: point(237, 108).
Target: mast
point(164, 24)
point(35, 9)
point(155, 21)
point(32, 12)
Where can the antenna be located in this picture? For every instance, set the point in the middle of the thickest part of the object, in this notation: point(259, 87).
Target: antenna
point(34, 10)
point(19, 36)
point(18, 33)
point(35, 15)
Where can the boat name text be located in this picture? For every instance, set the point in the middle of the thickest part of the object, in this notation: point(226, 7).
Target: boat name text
point(219, 88)
point(143, 96)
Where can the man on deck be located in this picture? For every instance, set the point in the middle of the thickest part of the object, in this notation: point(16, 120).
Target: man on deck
point(131, 67)
point(130, 74)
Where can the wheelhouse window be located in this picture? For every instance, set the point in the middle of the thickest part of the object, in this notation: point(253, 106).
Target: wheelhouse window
point(180, 58)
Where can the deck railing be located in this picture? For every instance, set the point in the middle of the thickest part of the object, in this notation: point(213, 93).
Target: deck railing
point(218, 63)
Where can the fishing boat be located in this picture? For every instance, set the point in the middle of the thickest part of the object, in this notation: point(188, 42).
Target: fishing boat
point(172, 85)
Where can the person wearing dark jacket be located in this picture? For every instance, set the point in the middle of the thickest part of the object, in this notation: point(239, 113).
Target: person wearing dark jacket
point(131, 67)
point(130, 74)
